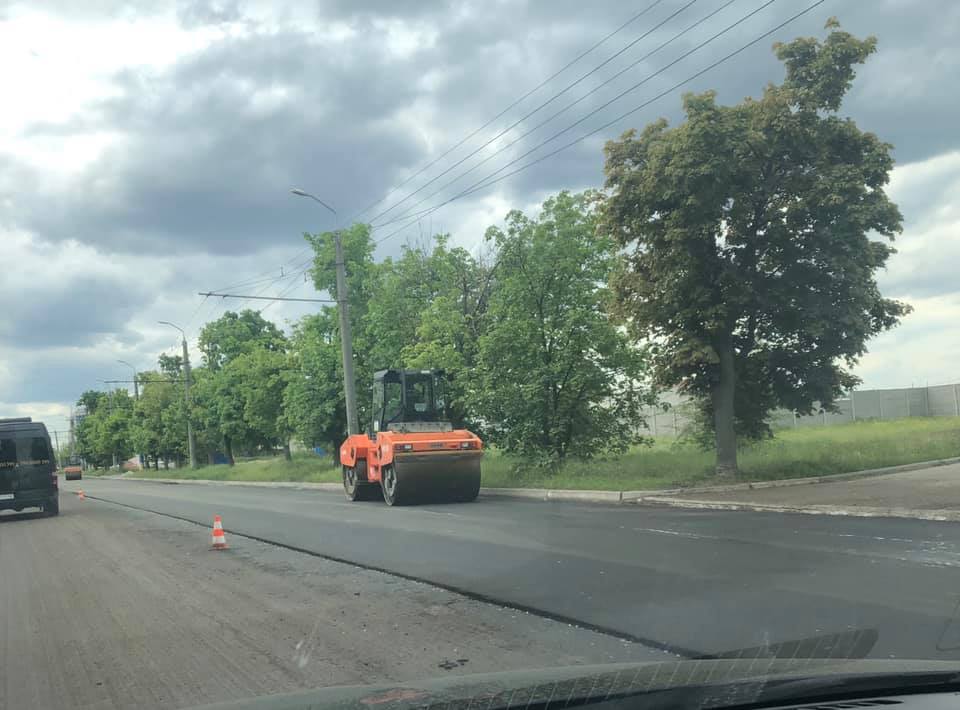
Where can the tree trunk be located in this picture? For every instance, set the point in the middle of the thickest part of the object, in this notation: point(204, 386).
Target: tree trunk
point(286, 451)
point(723, 411)
point(228, 445)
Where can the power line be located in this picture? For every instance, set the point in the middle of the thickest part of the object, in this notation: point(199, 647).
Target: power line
point(538, 108)
point(487, 181)
point(142, 382)
point(267, 298)
point(566, 108)
point(529, 93)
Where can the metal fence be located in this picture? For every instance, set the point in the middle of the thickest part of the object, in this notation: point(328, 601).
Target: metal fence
point(937, 401)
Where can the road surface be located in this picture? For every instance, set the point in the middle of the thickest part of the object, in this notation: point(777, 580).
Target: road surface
point(110, 607)
point(691, 582)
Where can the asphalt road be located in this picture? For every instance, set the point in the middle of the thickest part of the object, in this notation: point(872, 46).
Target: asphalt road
point(110, 607)
point(688, 581)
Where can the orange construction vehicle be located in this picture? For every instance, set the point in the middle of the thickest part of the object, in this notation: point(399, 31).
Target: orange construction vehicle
point(412, 452)
point(73, 468)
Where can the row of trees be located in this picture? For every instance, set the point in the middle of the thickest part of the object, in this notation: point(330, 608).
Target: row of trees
point(729, 257)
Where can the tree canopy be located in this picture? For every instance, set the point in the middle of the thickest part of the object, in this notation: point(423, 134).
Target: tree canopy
point(751, 239)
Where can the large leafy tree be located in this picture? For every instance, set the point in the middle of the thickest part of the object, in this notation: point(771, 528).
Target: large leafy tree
point(748, 258)
point(159, 427)
point(313, 402)
point(556, 377)
point(105, 436)
point(261, 375)
point(240, 396)
point(428, 312)
point(234, 334)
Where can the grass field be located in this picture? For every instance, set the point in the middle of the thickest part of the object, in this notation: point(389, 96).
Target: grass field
point(793, 453)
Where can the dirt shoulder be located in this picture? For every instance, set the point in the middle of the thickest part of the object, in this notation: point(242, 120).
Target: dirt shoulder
point(109, 607)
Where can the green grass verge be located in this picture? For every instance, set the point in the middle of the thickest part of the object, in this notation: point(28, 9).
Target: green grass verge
point(305, 467)
point(792, 453)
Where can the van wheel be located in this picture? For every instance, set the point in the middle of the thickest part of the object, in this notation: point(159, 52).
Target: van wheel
point(52, 507)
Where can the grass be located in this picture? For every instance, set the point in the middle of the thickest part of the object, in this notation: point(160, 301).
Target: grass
point(305, 468)
point(792, 453)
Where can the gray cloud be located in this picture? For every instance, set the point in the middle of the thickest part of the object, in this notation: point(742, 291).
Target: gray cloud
point(210, 144)
point(74, 309)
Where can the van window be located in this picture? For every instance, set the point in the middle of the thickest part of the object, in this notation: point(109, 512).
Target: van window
point(28, 451)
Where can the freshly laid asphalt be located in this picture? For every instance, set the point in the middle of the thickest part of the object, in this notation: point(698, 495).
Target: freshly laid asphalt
point(693, 582)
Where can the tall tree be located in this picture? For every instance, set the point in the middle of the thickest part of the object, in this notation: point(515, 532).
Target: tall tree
point(313, 398)
point(556, 377)
point(748, 260)
point(234, 334)
point(262, 377)
point(428, 312)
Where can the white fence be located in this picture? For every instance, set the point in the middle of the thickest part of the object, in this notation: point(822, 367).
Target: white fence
point(938, 401)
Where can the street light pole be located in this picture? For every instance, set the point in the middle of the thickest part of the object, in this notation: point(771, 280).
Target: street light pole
point(136, 386)
point(191, 444)
point(346, 336)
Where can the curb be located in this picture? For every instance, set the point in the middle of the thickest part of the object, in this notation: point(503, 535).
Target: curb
point(662, 496)
point(532, 493)
point(556, 494)
point(294, 485)
point(633, 496)
point(854, 511)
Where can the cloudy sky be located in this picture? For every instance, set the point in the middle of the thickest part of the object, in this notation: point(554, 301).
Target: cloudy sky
point(147, 149)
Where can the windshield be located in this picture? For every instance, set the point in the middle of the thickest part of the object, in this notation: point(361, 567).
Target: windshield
point(373, 343)
point(24, 451)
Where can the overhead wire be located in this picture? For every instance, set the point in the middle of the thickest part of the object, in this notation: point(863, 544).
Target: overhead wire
point(274, 280)
point(542, 105)
point(566, 108)
point(513, 105)
point(489, 180)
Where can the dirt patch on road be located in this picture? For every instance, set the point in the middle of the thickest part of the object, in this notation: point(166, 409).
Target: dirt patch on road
point(108, 607)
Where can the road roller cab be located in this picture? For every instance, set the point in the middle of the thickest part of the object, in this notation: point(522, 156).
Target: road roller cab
point(412, 453)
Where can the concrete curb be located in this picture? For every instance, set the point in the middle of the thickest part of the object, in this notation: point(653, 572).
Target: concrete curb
point(556, 494)
point(633, 496)
point(534, 493)
point(295, 485)
point(858, 511)
point(655, 497)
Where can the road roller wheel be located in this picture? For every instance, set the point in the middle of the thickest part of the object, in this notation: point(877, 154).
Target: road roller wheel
point(390, 482)
point(468, 490)
point(354, 486)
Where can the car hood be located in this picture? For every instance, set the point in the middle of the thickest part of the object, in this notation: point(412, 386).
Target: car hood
point(716, 682)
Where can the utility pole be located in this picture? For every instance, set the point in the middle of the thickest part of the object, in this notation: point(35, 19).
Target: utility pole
point(136, 398)
point(191, 443)
point(346, 336)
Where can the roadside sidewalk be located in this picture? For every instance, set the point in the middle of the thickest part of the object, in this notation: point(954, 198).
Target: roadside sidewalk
point(931, 493)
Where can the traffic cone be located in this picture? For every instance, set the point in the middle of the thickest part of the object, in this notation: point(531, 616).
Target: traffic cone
point(219, 540)
point(81, 495)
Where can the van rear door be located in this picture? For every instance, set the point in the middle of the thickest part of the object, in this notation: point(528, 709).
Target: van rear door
point(26, 461)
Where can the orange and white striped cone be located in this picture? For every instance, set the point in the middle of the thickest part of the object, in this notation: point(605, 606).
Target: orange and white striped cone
point(219, 539)
point(81, 495)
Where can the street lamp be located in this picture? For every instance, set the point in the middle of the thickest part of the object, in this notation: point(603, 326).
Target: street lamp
point(343, 309)
point(304, 193)
point(136, 387)
point(191, 444)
